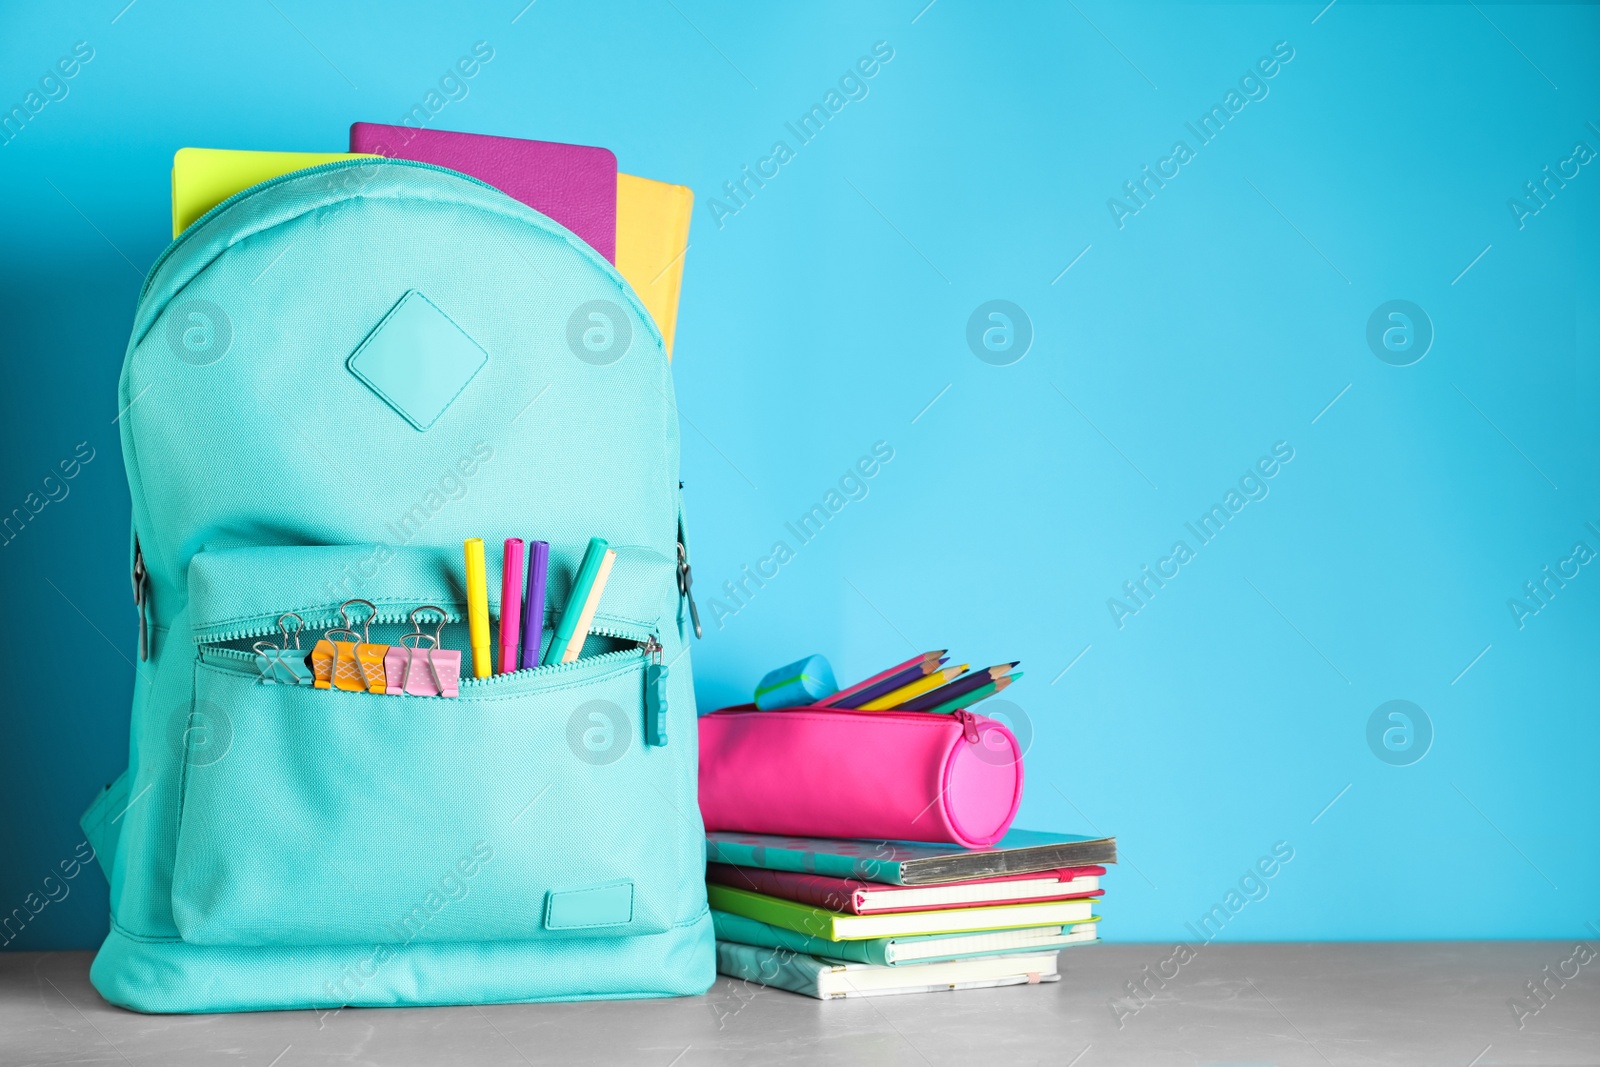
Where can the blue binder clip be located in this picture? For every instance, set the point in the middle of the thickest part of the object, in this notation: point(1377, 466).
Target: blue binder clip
point(283, 664)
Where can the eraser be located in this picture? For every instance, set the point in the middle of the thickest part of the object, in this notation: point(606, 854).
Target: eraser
point(803, 682)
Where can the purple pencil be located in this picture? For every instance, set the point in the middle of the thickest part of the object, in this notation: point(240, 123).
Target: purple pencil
point(891, 683)
point(960, 687)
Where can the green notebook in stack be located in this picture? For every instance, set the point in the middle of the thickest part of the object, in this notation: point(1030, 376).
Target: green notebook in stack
point(897, 951)
point(838, 926)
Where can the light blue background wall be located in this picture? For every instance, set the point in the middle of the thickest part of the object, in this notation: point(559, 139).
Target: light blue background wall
point(827, 314)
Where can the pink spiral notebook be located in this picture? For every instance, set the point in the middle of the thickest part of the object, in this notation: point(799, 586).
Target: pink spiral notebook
point(574, 184)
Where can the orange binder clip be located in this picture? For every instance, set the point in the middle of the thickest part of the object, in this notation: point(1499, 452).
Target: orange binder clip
point(354, 665)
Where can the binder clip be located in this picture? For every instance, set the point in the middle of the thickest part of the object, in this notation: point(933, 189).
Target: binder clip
point(282, 663)
point(418, 666)
point(354, 665)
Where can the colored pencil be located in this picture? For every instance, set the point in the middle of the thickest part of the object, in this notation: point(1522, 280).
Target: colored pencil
point(968, 699)
point(959, 687)
point(847, 693)
point(891, 683)
point(899, 696)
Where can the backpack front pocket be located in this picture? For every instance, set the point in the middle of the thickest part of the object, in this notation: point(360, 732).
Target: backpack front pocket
point(527, 807)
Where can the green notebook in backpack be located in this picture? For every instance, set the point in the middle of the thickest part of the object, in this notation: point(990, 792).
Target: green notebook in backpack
point(334, 378)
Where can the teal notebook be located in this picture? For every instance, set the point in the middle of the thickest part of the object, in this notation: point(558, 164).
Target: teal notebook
point(893, 951)
point(910, 862)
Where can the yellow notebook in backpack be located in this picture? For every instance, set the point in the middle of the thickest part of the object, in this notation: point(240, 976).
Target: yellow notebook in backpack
point(202, 178)
point(652, 238)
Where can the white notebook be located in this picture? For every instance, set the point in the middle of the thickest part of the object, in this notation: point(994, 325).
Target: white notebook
point(831, 980)
point(1029, 939)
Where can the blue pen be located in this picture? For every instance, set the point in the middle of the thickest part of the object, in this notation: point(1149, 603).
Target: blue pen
point(533, 603)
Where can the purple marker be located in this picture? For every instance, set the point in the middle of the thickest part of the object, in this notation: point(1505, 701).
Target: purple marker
point(533, 603)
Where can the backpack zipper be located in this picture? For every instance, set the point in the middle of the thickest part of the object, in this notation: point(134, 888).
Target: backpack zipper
point(685, 584)
point(322, 622)
point(140, 598)
point(340, 164)
point(655, 695)
point(244, 657)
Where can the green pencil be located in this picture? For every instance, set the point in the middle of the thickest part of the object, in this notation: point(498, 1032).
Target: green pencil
point(966, 700)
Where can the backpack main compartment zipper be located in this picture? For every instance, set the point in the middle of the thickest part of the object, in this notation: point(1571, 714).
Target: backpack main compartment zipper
point(141, 598)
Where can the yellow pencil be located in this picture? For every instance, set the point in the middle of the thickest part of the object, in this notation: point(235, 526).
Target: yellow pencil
point(915, 689)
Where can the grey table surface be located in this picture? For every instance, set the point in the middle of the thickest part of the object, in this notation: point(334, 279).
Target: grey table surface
point(1320, 1004)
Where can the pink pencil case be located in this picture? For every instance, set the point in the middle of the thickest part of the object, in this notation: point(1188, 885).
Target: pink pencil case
point(829, 772)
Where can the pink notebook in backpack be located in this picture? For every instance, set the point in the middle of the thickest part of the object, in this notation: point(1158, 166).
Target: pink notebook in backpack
point(574, 184)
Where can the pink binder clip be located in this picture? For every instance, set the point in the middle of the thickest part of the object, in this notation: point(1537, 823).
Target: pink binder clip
point(418, 667)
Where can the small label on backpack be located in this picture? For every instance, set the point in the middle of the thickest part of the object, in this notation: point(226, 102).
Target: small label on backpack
point(599, 905)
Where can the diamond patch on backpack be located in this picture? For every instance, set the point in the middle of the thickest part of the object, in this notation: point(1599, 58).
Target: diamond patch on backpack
point(417, 360)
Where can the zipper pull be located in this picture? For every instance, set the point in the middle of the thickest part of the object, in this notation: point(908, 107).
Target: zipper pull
point(685, 581)
point(969, 725)
point(655, 696)
point(140, 598)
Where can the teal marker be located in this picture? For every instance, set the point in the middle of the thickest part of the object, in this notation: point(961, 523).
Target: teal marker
point(593, 556)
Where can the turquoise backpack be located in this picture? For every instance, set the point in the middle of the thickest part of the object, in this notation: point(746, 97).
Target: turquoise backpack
point(334, 378)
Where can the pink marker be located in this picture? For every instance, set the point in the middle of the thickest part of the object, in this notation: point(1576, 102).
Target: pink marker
point(511, 605)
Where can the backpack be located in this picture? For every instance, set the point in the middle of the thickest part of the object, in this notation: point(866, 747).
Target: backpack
point(334, 378)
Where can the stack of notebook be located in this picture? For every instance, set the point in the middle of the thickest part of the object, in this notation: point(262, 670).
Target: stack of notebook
point(838, 918)
point(641, 226)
